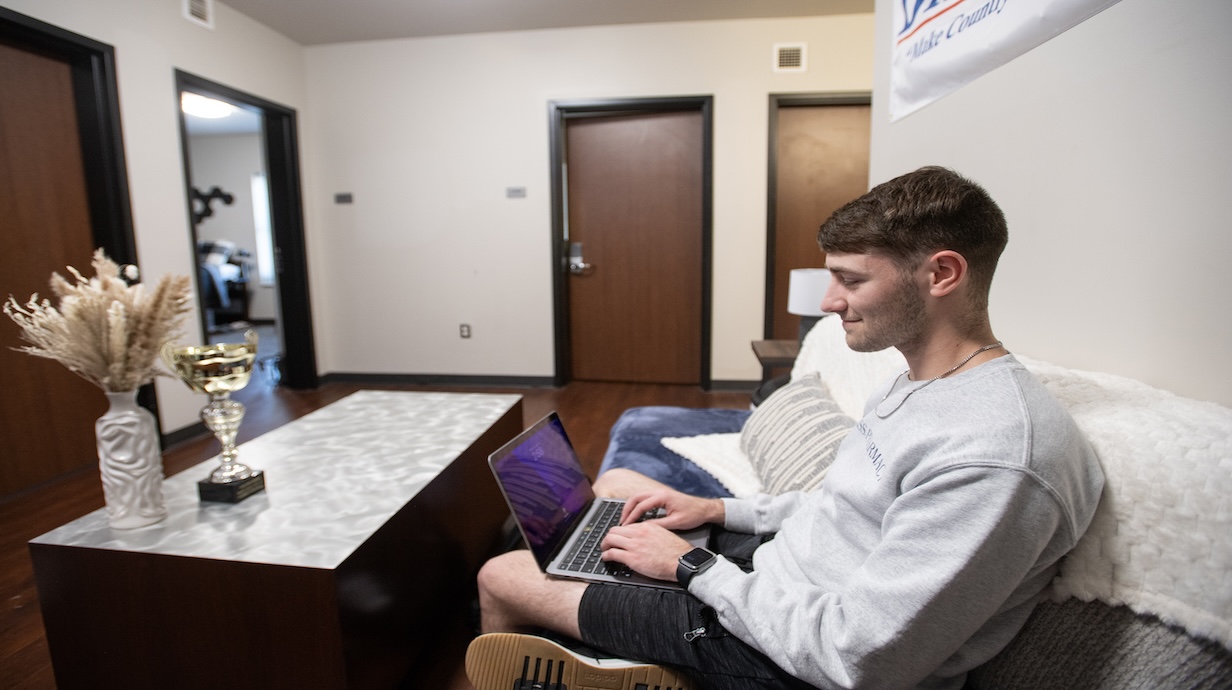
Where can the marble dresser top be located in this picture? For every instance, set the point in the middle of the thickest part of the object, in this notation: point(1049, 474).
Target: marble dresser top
point(332, 478)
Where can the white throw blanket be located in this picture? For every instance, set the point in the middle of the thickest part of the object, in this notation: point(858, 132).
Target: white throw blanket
point(1161, 539)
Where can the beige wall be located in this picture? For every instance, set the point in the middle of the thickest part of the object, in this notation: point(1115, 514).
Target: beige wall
point(428, 133)
point(1110, 150)
point(1099, 144)
point(151, 41)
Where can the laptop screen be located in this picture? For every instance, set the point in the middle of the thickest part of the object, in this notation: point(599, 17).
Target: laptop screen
point(544, 484)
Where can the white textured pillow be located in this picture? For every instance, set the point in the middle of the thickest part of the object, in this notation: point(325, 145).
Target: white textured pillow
point(791, 438)
point(1159, 540)
point(721, 456)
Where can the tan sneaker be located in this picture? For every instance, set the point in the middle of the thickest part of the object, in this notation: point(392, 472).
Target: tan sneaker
point(509, 661)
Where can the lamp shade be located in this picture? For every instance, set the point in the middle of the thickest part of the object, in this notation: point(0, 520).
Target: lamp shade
point(806, 287)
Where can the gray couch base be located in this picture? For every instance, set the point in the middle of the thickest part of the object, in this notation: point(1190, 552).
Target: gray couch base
point(1094, 646)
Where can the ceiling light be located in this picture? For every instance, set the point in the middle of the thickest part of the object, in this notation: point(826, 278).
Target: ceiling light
point(196, 104)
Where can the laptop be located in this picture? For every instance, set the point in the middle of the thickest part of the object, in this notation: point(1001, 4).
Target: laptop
point(557, 511)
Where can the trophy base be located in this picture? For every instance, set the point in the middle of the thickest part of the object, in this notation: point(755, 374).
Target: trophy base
point(231, 492)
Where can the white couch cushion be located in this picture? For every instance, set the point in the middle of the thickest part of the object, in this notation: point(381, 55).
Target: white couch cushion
point(849, 376)
point(846, 375)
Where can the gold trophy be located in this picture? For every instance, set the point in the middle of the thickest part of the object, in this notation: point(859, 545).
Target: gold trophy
point(219, 370)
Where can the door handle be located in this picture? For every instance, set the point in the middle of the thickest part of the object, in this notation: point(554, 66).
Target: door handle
point(578, 265)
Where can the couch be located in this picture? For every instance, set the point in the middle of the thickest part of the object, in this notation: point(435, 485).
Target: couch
point(1145, 598)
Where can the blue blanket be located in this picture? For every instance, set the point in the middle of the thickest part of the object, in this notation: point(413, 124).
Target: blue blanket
point(635, 444)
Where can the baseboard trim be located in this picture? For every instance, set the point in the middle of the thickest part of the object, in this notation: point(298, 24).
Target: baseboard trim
point(735, 386)
point(188, 433)
point(194, 431)
point(441, 380)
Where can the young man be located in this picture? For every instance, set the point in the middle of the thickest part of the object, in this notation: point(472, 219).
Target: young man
point(940, 522)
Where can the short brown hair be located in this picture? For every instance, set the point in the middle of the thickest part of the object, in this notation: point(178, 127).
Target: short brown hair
point(919, 213)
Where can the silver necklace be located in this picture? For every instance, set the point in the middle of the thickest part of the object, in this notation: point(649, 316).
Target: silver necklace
point(911, 392)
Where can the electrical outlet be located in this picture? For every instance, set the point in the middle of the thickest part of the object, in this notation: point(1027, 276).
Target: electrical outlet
point(464, 330)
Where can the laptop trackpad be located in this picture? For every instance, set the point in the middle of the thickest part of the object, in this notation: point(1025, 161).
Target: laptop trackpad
point(699, 536)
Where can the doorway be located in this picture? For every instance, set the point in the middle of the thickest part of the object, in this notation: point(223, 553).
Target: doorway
point(818, 161)
point(242, 177)
point(228, 184)
point(631, 240)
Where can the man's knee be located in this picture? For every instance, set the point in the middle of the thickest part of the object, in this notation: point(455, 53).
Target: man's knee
point(503, 572)
point(514, 594)
point(620, 482)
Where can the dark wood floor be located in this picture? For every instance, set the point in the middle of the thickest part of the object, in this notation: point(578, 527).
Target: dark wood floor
point(587, 409)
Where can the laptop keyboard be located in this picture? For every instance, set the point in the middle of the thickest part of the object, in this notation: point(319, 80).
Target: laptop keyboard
point(584, 556)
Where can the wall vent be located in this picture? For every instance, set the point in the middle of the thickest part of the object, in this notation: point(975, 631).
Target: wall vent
point(790, 57)
point(200, 12)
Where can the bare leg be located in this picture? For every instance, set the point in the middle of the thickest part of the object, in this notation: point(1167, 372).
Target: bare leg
point(619, 482)
point(514, 595)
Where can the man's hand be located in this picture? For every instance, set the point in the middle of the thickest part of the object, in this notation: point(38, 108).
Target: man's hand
point(646, 548)
point(683, 511)
point(650, 547)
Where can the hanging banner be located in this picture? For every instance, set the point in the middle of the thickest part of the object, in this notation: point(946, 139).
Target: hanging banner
point(940, 45)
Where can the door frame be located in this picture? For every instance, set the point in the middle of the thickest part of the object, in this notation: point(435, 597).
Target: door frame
point(778, 101)
point(92, 66)
point(559, 112)
point(281, 143)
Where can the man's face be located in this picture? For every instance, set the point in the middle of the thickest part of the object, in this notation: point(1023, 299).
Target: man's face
point(880, 306)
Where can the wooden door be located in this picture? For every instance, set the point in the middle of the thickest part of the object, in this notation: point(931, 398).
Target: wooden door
point(635, 206)
point(46, 412)
point(821, 163)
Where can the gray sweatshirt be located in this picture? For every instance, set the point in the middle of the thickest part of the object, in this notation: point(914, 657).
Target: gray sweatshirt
point(927, 545)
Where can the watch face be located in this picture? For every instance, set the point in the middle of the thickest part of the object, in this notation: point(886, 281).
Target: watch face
point(696, 557)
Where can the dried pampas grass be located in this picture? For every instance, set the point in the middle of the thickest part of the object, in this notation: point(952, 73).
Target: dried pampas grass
point(105, 330)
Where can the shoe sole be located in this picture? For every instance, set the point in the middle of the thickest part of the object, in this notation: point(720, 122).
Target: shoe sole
point(508, 661)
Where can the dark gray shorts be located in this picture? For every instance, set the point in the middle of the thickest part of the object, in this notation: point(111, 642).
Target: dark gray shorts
point(660, 626)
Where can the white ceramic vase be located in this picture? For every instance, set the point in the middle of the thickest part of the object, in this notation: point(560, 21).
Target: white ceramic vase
point(130, 463)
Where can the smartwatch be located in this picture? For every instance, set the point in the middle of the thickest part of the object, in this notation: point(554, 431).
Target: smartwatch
point(692, 563)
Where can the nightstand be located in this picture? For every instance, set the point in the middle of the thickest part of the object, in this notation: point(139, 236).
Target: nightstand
point(776, 354)
point(773, 354)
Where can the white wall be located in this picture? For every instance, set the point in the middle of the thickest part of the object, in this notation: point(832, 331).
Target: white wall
point(1110, 149)
point(151, 41)
point(427, 134)
point(1107, 146)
